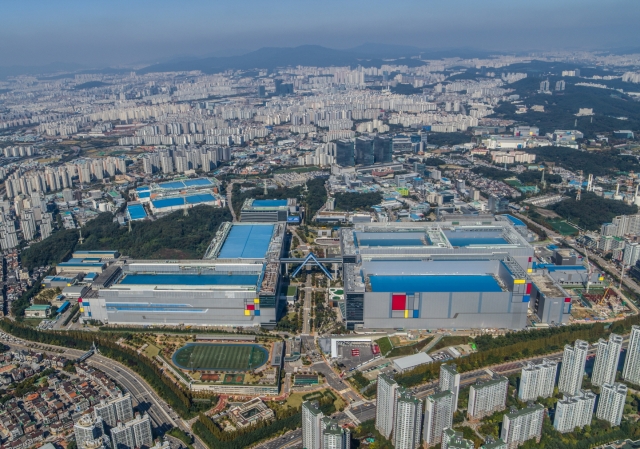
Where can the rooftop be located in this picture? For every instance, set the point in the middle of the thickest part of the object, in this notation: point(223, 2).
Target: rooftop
point(247, 242)
point(435, 283)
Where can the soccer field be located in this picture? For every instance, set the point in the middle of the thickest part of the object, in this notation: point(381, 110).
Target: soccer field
point(226, 357)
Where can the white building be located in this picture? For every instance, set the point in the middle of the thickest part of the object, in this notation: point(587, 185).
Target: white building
point(450, 380)
point(114, 410)
point(487, 397)
point(387, 394)
point(572, 371)
point(88, 428)
point(522, 425)
point(631, 370)
point(537, 380)
point(454, 440)
point(334, 436)
point(438, 415)
point(611, 403)
point(311, 426)
point(574, 411)
point(607, 358)
point(133, 434)
point(408, 422)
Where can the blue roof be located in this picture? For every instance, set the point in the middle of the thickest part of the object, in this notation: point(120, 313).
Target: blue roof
point(172, 185)
point(136, 212)
point(553, 268)
point(247, 242)
point(198, 182)
point(434, 283)
point(143, 189)
point(168, 202)
point(144, 194)
point(79, 263)
point(190, 279)
point(93, 252)
point(201, 198)
point(269, 203)
point(515, 221)
point(463, 238)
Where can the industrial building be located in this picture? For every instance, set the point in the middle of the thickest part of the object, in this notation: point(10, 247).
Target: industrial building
point(267, 211)
point(235, 285)
point(436, 275)
point(176, 195)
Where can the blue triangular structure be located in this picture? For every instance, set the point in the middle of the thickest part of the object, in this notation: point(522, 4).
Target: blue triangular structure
point(312, 258)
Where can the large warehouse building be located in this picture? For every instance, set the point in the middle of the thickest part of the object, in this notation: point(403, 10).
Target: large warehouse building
point(236, 285)
point(436, 275)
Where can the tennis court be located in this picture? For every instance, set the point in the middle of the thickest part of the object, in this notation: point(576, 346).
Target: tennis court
point(220, 357)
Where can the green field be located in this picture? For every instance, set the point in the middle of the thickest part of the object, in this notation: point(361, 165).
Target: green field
point(563, 227)
point(220, 357)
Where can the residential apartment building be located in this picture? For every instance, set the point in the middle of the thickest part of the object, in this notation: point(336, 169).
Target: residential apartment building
point(611, 403)
point(311, 426)
point(631, 370)
point(450, 380)
point(438, 415)
point(572, 371)
point(521, 425)
point(607, 358)
point(487, 397)
point(574, 411)
point(408, 422)
point(537, 380)
point(387, 395)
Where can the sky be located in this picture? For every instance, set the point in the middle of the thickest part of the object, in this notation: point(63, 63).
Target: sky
point(115, 32)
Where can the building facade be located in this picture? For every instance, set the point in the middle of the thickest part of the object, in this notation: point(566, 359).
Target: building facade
point(611, 403)
point(574, 411)
point(607, 358)
point(631, 370)
point(311, 426)
point(574, 360)
point(487, 397)
point(387, 395)
point(450, 380)
point(537, 380)
point(408, 422)
point(522, 425)
point(438, 415)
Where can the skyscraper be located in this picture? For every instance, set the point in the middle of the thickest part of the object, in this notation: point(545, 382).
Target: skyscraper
point(537, 380)
point(631, 370)
point(438, 416)
point(311, 426)
point(607, 358)
point(334, 436)
point(408, 422)
point(521, 425)
point(611, 402)
point(345, 153)
point(450, 380)
point(114, 410)
point(574, 411)
point(572, 371)
point(487, 397)
point(387, 394)
point(382, 149)
point(364, 151)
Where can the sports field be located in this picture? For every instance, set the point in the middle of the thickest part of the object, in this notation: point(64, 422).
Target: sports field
point(220, 357)
point(563, 227)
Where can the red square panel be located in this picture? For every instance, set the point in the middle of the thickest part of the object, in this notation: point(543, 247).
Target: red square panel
point(530, 258)
point(398, 302)
point(528, 289)
point(251, 307)
point(567, 299)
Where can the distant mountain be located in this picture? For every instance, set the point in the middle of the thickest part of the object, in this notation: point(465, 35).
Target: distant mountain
point(17, 70)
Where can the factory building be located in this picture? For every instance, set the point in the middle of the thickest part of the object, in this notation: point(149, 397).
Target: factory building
point(267, 211)
point(235, 285)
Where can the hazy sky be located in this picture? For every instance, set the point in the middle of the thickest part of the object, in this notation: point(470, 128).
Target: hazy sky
point(110, 32)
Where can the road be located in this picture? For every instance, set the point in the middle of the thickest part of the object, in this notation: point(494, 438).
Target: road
point(229, 202)
point(306, 308)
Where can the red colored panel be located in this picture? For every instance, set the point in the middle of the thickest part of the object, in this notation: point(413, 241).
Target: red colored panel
point(530, 258)
point(528, 289)
point(79, 299)
point(251, 307)
point(398, 302)
point(567, 299)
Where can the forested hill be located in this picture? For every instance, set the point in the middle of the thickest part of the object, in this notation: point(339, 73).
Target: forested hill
point(591, 211)
point(173, 236)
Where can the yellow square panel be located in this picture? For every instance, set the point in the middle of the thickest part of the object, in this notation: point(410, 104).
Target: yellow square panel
point(81, 309)
point(247, 312)
point(406, 314)
point(256, 301)
point(519, 281)
point(529, 270)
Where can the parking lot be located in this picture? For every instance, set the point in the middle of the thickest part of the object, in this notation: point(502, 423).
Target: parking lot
point(353, 354)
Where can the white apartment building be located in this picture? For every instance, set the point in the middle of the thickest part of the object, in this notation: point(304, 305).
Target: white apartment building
point(450, 380)
point(487, 397)
point(574, 411)
point(454, 440)
point(611, 403)
point(438, 415)
point(572, 371)
point(114, 410)
point(387, 394)
point(334, 436)
point(408, 422)
point(311, 426)
point(133, 434)
point(88, 428)
point(537, 380)
point(631, 370)
point(607, 358)
point(522, 425)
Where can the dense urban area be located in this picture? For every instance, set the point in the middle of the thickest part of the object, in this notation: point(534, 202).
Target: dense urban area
point(405, 253)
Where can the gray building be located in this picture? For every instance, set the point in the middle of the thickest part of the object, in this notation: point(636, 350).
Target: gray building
point(364, 151)
point(345, 153)
point(438, 416)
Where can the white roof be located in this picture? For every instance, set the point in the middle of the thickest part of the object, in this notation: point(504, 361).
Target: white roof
point(410, 361)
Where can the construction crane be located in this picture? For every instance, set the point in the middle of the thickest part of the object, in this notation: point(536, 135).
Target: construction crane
point(589, 268)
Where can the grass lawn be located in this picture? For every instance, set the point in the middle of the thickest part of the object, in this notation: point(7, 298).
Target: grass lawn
point(221, 357)
point(151, 351)
point(449, 341)
point(385, 345)
point(33, 322)
point(295, 400)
